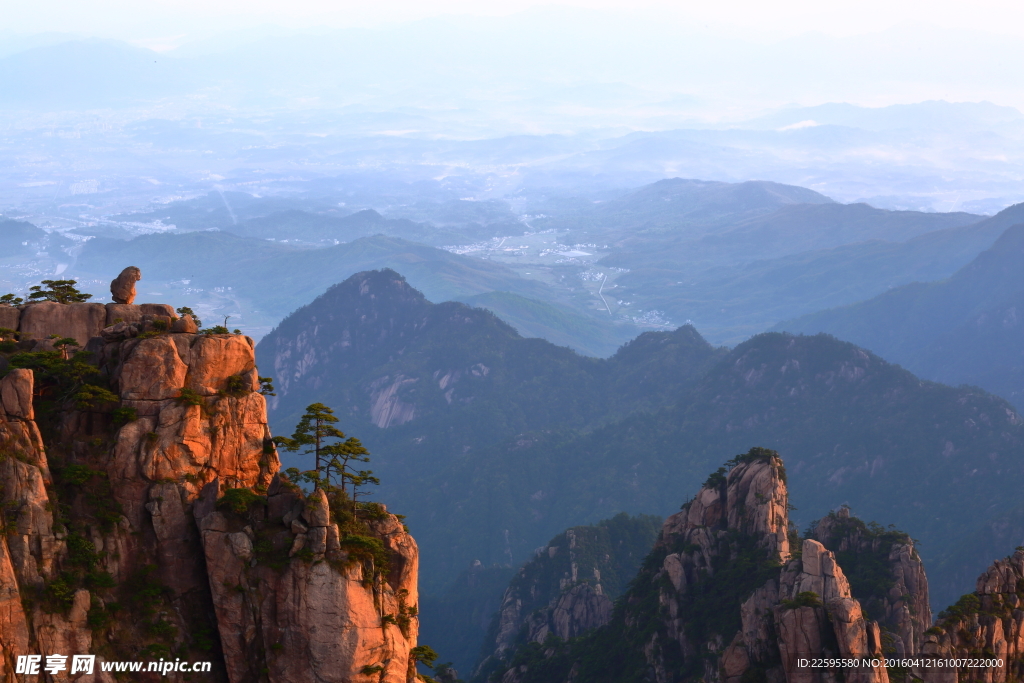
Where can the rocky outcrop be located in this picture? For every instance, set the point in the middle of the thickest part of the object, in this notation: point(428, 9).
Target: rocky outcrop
point(903, 610)
point(725, 597)
point(14, 632)
point(571, 612)
point(136, 313)
point(580, 609)
point(9, 316)
point(26, 519)
point(985, 624)
point(31, 550)
point(816, 617)
point(80, 322)
point(199, 415)
point(578, 605)
point(330, 603)
point(386, 409)
point(752, 500)
point(740, 519)
point(124, 549)
point(185, 324)
point(122, 288)
point(569, 587)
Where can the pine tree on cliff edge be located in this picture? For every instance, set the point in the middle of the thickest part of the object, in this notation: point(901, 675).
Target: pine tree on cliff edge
point(59, 291)
point(316, 435)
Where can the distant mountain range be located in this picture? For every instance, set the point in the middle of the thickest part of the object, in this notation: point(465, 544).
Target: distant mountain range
point(280, 276)
point(937, 115)
point(222, 109)
point(798, 260)
point(964, 329)
point(683, 208)
point(791, 229)
point(731, 257)
point(492, 443)
point(680, 223)
point(734, 259)
point(478, 52)
point(315, 222)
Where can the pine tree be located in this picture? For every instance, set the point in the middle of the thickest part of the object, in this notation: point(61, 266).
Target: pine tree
point(316, 435)
point(343, 456)
point(59, 291)
point(64, 344)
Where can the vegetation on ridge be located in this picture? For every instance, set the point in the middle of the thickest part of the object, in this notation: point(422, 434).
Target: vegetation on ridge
point(864, 557)
point(334, 455)
point(58, 291)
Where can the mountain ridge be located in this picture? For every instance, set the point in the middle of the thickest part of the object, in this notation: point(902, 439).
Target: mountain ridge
point(504, 443)
point(928, 326)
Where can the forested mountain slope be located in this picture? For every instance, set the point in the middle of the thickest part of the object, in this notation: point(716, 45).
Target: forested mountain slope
point(684, 206)
point(400, 358)
point(965, 329)
point(494, 443)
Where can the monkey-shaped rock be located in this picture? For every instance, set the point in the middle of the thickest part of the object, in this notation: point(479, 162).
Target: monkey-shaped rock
point(122, 288)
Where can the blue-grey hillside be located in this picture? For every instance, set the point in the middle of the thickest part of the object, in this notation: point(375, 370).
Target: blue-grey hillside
point(276, 278)
point(494, 443)
point(567, 589)
point(731, 302)
point(268, 279)
point(733, 258)
point(317, 221)
point(790, 229)
point(964, 329)
point(684, 206)
point(18, 237)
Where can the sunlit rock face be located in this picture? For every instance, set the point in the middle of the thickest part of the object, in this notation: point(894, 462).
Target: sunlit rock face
point(119, 541)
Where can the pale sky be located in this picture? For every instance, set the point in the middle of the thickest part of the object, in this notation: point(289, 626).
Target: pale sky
point(174, 21)
point(749, 54)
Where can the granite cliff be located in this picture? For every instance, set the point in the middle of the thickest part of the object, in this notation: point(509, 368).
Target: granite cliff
point(144, 516)
point(985, 624)
point(886, 575)
point(731, 593)
point(569, 587)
